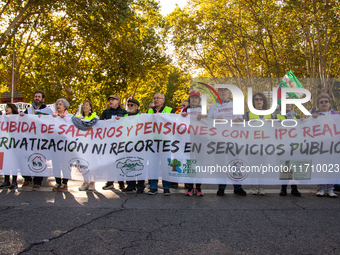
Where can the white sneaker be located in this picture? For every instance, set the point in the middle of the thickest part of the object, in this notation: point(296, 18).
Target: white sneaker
point(84, 186)
point(331, 194)
point(261, 190)
point(253, 190)
point(320, 193)
point(91, 187)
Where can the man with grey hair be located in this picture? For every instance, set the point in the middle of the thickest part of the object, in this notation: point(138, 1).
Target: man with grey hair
point(159, 107)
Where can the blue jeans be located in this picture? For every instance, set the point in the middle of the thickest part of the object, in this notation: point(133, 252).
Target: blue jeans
point(326, 187)
point(153, 184)
point(236, 187)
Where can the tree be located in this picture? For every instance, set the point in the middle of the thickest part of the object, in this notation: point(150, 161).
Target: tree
point(84, 49)
point(244, 39)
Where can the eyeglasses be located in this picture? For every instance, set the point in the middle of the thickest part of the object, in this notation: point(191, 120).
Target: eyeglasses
point(322, 102)
point(258, 99)
point(130, 105)
point(155, 98)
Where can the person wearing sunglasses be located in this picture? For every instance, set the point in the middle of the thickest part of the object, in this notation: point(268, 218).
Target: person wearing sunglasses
point(259, 103)
point(132, 110)
point(324, 107)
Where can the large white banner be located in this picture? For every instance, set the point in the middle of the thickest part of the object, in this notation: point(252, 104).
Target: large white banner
point(173, 148)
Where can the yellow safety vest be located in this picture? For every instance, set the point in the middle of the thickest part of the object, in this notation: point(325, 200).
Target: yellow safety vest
point(254, 116)
point(166, 109)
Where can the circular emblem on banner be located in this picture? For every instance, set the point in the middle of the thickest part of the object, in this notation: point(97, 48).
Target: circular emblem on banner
point(37, 163)
point(235, 172)
point(79, 166)
point(130, 166)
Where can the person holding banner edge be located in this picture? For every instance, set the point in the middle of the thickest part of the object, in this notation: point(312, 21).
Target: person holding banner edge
point(159, 107)
point(225, 111)
point(38, 108)
point(10, 109)
point(324, 107)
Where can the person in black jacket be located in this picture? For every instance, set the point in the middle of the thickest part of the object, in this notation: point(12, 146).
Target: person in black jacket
point(114, 111)
point(133, 105)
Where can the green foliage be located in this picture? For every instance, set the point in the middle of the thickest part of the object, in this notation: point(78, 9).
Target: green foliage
point(81, 50)
point(259, 39)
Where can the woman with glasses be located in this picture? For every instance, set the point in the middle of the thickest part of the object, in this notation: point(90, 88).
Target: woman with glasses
point(324, 107)
point(259, 103)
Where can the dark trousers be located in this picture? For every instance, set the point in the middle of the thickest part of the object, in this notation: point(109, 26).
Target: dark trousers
point(36, 180)
point(14, 178)
point(134, 185)
point(58, 181)
point(121, 184)
point(285, 186)
point(191, 186)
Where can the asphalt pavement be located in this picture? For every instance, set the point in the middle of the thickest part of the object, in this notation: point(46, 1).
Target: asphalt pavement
point(113, 222)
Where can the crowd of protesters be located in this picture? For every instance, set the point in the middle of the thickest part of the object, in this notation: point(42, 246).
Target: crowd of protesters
point(191, 107)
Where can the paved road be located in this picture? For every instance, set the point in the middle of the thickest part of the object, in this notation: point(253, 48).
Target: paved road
point(112, 222)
